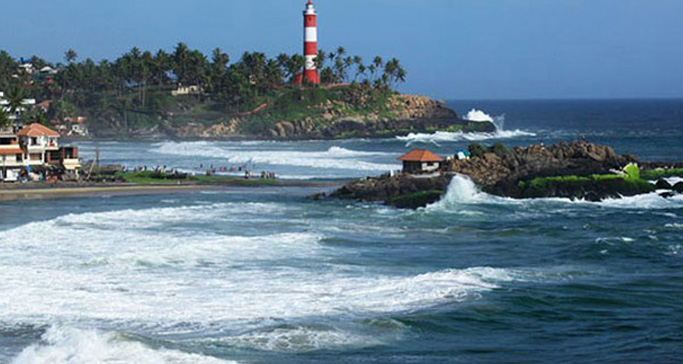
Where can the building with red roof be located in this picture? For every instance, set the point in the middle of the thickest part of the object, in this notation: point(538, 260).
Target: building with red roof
point(420, 161)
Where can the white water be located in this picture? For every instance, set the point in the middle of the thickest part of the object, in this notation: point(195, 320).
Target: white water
point(473, 115)
point(65, 345)
point(478, 116)
point(462, 192)
point(333, 158)
point(138, 268)
point(444, 136)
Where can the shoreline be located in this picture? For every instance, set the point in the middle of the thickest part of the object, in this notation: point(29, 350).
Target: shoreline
point(43, 192)
point(50, 192)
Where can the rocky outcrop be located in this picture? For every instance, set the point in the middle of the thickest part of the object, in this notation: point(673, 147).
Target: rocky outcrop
point(386, 188)
point(500, 174)
point(214, 131)
point(576, 170)
point(408, 113)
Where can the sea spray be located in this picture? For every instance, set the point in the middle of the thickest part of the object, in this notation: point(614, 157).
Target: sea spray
point(474, 116)
point(461, 191)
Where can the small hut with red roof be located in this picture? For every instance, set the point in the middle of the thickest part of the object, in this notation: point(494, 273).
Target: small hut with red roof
point(420, 161)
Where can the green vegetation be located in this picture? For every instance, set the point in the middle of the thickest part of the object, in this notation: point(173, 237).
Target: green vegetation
point(415, 200)
point(4, 119)
point(133, 91)
point(478, 150)
point(655, 174)
point(632, 171)
point(629, 184)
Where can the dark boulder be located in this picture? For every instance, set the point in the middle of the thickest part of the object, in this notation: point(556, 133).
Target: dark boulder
point(663, 185)
point(678, 187)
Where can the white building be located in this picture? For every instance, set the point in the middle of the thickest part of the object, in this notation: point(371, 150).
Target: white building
point(11, 156)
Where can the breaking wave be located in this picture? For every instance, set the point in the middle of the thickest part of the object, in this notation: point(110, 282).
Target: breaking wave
point(64, 345)
point(473, 115)
point(462, 191)
point(444, 136)
point(333, 158)
point(138, 267)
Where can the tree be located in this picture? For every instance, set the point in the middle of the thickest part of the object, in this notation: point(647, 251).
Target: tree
point(180, 59)
point(5, 122)
point(70, 56)
point(16, 96)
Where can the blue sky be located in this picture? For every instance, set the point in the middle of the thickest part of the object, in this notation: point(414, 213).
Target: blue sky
point(452, 49)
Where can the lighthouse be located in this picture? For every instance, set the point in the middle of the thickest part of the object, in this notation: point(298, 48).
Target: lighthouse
point(311, 43)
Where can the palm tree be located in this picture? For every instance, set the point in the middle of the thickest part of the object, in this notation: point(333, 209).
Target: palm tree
point(16, 96)
point(5, 122)
point(70, 55)
point(180, 56)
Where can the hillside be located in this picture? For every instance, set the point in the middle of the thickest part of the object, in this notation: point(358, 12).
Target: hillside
point(292, 112)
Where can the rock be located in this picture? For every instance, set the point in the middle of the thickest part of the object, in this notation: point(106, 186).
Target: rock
point(519, 174)
point(678, 187)
point(663, 185)
point(667, 194)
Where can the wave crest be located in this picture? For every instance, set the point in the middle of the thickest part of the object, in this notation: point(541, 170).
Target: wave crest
point(64, 345)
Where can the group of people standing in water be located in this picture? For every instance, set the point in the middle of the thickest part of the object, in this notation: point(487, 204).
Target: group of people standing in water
point(248, 174)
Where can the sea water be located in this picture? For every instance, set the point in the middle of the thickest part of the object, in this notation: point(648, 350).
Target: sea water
point(268, 276)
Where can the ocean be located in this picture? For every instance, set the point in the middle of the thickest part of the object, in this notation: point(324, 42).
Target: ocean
point(266, 275)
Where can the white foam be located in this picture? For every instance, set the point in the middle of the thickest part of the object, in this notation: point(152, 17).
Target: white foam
point(462, 191)
point(673, 180)
point(301, 339)
point(443, 136)
point(333, 158)
point(133, 267)
point(478, 116)
point(63, 345)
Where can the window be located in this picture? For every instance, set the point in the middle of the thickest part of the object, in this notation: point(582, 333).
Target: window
point(18, 157)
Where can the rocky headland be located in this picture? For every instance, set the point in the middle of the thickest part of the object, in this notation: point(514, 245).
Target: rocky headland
point(331, 118)
point(577, 170)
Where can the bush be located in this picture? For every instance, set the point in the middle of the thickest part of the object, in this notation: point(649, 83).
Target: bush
point(499, 149)
point(476, 150)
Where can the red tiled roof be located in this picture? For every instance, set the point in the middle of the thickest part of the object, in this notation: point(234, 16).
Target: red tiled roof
point(35, 130)
point(420, 155)
point(10, 151)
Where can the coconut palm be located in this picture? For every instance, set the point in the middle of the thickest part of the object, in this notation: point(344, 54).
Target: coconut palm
point(70, 56)
point(16, 96)
point(5, 122)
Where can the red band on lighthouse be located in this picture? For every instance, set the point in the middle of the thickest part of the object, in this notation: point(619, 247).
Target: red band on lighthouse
point(310, 43)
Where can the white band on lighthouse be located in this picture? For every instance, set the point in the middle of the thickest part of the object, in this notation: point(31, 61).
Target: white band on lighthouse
point(311, 34)
point(310, 62)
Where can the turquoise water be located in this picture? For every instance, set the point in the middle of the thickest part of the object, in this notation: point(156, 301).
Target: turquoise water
point(268, 276)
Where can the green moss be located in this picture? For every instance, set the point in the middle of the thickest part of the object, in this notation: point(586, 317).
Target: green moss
point(608, 184)
point(632, 171)
point(655, 174)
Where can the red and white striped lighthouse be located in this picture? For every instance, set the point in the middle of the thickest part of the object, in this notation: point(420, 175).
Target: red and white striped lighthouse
point(311, 43)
